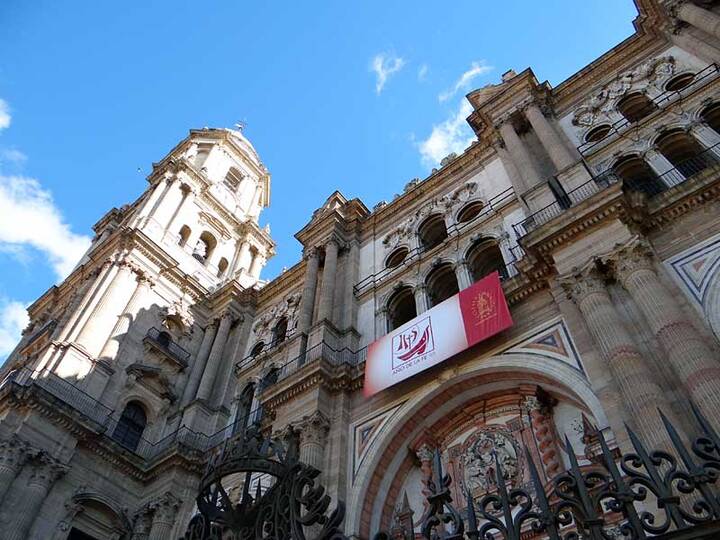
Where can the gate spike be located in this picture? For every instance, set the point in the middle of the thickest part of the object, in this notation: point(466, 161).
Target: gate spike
point(472, 518)
point(706, 426)
point(542, 501)
point(677, 443)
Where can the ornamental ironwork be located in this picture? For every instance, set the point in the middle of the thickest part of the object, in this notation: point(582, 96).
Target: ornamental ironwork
point(280, 498)
point(646, 493)
point(662, 494)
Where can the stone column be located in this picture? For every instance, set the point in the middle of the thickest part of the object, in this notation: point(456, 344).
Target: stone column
point(242, 253)
point(186, 196)
point(425, 455)
point(351, 276)
point(77, 310)
point(701, 18)
point(690, 358)
point(96, 330)
point(225, 378)
point(165, 510)
point(549, 137)
point(215, 359)
point(256, 265)
point(313, 439)
point(327, 290)
point(198, 366)
point(13, 454)
point(139, 295)
point(381, 322)
point(640, 393)
point(462, 272)
point(45, 471)
point(307, 303)
point(152, 201)
point(520, 155)
point(421, 298)
point(544, 432)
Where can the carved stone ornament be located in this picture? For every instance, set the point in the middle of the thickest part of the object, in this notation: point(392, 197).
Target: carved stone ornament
point(600, 105)
point(582, 284)
point(478, 459)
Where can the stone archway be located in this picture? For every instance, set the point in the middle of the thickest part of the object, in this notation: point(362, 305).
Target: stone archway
point(376, 479)
point(95, 515)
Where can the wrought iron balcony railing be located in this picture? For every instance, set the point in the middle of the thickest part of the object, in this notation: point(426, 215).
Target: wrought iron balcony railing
point(651, 185)
point(163, 341)
point(105, 420)
point(701, 78)
point(453, 231)
point(572, 198)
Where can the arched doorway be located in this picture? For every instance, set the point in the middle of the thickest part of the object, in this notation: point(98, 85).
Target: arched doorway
point(388, 468)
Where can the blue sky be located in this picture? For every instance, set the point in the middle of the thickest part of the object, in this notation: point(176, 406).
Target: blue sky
point(356, 96)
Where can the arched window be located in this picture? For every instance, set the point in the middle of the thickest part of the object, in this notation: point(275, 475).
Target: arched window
point(244, 408)
point(470, 211)
point(400, 308)
point(257, 349)
point(441, 284)
point(635, 106)
point(637, 175)
point(131, 425)
point(184, 235)
point(682, 151)
point(222, 267)
point(233, 179)
point(164, 339)
point(280, 331)
point(270, 378)
point(432, 232)
point(483, 258)
point(598, 133)
point(396, 257)
point(204, 247)
point(679, 82)
point(711, 116)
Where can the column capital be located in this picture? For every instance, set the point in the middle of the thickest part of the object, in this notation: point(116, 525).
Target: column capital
point(425, 452)
point(164, 507)
point(532, 403)
point(629, 259)
point(583, 284)
point(46, 470)
point(14, 453)
point(311, 253)
point(313, 428)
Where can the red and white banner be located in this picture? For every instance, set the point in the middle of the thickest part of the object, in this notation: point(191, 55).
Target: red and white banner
point(472, 315)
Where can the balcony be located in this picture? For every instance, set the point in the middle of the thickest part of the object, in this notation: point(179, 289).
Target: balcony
point(701, 79)
point(453, 231)
point(162, 342)
point(570, 199)
point(103, 420)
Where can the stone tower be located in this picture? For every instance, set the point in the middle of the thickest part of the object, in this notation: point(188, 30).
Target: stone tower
point(143, 288)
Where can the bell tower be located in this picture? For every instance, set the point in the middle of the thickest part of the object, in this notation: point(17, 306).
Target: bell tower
point(132, 316)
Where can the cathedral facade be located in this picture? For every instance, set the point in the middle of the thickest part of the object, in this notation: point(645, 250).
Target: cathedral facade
point(594, 204)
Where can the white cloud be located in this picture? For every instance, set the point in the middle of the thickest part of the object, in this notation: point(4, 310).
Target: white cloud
point(12, 156)
point(29, 218)
point(452, 135)
point(384, 65)
point(13, 319)
point(422, 72)
point(476, 69)
point(5, 117)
